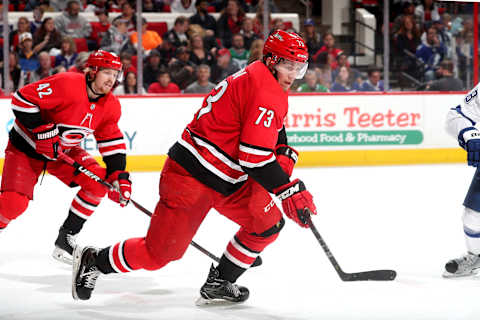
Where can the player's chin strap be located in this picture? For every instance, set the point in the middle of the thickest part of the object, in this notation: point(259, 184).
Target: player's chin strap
point(62, 156)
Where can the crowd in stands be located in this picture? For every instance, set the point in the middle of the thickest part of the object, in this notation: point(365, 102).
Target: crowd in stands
point(199, 50)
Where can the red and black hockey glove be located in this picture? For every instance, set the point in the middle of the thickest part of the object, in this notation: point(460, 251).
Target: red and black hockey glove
point(123, 187)
point(295, 199)
point(47, 141)
point(287, 157)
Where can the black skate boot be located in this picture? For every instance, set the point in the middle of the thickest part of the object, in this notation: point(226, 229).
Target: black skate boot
point(218, 290)
point(64, 246)
point(85, 272)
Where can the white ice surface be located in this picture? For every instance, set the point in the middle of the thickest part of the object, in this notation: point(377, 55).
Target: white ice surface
point(407, 218)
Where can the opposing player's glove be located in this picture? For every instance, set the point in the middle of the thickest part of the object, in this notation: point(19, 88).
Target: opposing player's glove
point(123, 187)
point(287, 157)
point(47, 141)
point(469, 139)
point(295, 199)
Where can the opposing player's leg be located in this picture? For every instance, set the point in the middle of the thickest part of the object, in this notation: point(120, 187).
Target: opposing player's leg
point(261, 221)
point(83, 205)
point(20, 174)
point(469, 263)
point(184, 203)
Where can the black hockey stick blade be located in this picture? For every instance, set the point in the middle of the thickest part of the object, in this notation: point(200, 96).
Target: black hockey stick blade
point(374, 275)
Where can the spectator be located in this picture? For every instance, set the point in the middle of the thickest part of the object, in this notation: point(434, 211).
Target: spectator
point(311, 84)
point(202, 85)
point(202, 18)
point(342, 60)
point(126, 59)
point(117, 39)
point(256, 51)
point(238, 52)
point(343, 82)
point(37, 19)
point(186, 7)
point(181, 68)
point(59, 5)
point(373, 83)
point(16, 78)
point(247, 32)
point(152, 67)
point(27, 57)
point(408, 10)
point(199, 55)
point(209, 42)
point(68, 53)
point(44, 70)
point(96, 6)
point(324, 69)
point(100, 29)
point(129, 85)
point(177, 35)
point(329, 47)
point(150, 39)
point(406, 38)
point(258, 20)
point(224, 67)
point(426, 11)
point(277, 24)
point(151, 6)
point(80, 62)
point(230, 22)
point(431, 53)
point(58, 69)
point(71, 24)
point(128, 14)
point(163, 84)
point(312, 38)
point(446, 80)
point(47, 37)
point(23, 25)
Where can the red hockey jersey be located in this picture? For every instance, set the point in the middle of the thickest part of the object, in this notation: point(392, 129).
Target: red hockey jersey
point(62, 99)
point(236, 127)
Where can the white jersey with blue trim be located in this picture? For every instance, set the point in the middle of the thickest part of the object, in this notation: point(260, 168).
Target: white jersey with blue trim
point(465, 115)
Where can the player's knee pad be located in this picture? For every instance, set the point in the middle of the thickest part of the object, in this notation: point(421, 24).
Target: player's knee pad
point(12, 204)
point(471, 222)
point(273, 231)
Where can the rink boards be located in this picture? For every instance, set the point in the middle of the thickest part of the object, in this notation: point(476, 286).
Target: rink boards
point(327, 129)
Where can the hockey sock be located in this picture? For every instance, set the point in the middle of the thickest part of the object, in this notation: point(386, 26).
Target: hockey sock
point(228, 270)
point(103, 261)
point(73, 223)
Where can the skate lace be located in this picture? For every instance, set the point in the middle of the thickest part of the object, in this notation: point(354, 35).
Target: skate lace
point(232, 289)
point(91, 277)
point(71, 240)
point(470, 259)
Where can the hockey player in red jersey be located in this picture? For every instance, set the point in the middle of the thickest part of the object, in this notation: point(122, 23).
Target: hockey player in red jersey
point(231, 155)
point(54, 115)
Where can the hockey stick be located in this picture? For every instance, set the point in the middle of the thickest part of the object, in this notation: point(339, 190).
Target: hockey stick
point(377, 275)
point(93, 176)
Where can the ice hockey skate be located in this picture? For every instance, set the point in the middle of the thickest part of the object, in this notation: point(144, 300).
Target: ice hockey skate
point(64, 246)
point(85, 272)
point(219, 291)
point(467, 265)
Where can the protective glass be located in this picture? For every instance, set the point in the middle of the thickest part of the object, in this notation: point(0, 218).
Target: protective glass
point(295, 68)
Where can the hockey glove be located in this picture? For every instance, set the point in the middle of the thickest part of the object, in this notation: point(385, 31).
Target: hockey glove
point(47, 141)
point(469, 139)
point(295, 199)
point(123, 187)
point(287, 157)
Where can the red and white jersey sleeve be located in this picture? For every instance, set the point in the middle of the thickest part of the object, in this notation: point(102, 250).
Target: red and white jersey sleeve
point(41, 95)
point(108, 135)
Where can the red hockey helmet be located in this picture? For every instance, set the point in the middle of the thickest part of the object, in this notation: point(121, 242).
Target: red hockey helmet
point(288, 50)
point(104, 59)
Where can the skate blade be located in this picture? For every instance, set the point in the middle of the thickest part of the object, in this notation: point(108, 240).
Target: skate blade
point(448, 275)
point(77, 254)
point(202, 302)
point(62, 256)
